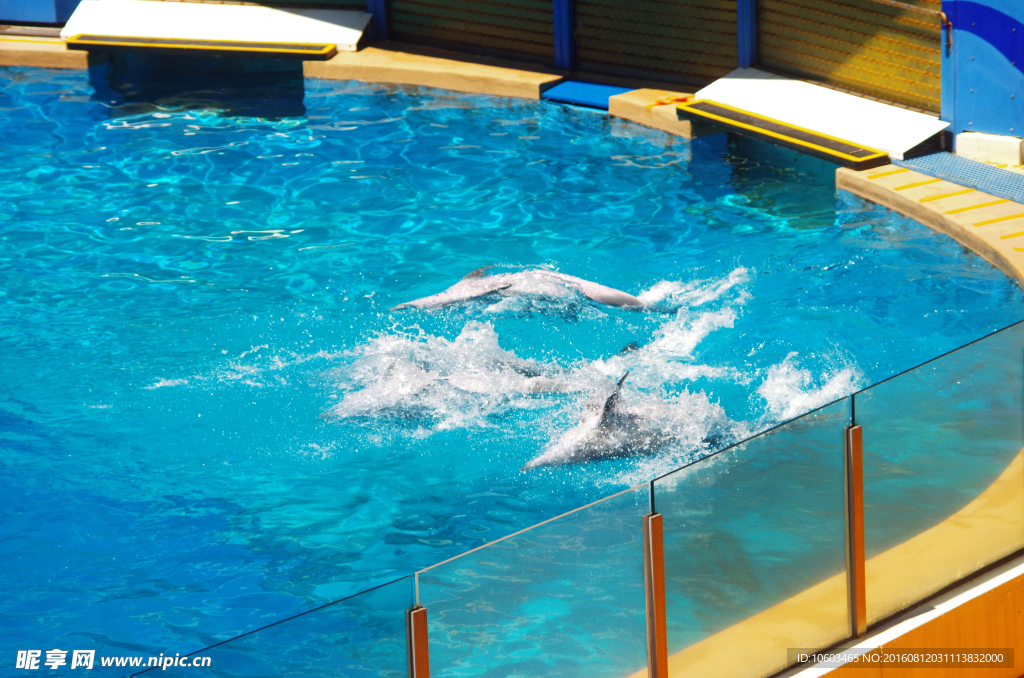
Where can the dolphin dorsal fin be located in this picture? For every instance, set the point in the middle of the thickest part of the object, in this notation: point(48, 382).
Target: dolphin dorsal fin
point(478, 273)
point(609, 404)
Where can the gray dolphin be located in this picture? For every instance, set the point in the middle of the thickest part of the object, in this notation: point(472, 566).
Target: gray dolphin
point(607, 430)
point(532, 282)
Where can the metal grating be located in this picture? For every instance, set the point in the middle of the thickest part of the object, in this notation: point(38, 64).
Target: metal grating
point(688, 40)
point(970, 174)
point(865, 46)
point(524, 27)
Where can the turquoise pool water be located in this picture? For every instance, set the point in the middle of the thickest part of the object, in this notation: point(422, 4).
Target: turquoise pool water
point(210, 419)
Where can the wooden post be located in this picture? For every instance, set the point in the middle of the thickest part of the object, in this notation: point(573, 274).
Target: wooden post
point(855, 567)
point(416, 640)
point(654, 585)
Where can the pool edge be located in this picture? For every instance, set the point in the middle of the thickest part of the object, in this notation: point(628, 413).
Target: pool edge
point(979, 221)
point(39, 52)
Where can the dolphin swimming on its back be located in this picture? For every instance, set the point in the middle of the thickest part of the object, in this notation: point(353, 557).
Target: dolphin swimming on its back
point(535, 282)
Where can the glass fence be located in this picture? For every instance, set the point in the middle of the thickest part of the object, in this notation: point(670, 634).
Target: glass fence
point(943, 472)
point(755, 549)
point(563, 599)
point(361, 636)
point(751, 558)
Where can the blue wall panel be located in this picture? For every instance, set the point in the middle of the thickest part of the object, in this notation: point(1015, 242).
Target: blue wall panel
point(565, 34)
point(983, 91)
point(379, 10)
point(37, 11)
point(746, 32)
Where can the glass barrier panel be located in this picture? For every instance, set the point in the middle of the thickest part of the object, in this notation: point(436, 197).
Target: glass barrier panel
point(562, 599)
point(943, 473)
point(755, 550)
point(359, 637)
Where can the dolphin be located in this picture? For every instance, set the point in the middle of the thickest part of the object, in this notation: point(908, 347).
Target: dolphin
point(607, 430)
point(536, 282)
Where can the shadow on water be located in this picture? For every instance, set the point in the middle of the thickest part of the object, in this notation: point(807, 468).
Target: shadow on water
point(133, 83)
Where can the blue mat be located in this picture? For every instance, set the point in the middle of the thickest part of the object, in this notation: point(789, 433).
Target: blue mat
point(969, 173)
point(583, 93)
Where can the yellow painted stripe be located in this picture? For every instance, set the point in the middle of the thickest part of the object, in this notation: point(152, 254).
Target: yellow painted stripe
point(974, 207)
point(886, 174)
point(781, 137)
point(216, 45)
point(1008, 235)
point(917, 183)
point(948, 195)
point(44, 41)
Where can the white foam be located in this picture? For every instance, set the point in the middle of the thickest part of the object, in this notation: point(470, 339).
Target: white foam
point(457, 383)
point(790, 390)
point(163, 383)
point(695, 292)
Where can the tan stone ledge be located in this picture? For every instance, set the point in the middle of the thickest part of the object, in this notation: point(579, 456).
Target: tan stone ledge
point(40, 53)
point(653, 108)
point(392, 64)
point(413, 65)
point(990, 226)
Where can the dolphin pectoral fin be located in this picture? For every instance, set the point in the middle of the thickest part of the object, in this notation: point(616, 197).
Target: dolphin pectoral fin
point(478, 273)
point(464, 290)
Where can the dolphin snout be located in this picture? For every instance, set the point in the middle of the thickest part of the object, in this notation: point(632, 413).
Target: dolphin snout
point(534, 463)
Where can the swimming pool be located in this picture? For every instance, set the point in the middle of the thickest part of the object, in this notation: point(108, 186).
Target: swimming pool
point(211, 420)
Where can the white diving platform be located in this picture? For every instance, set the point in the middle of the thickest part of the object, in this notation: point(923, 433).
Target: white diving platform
point(825, 111)
point(312, 34)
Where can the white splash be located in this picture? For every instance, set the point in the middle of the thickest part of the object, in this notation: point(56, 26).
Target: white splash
point(163, 383)
point(790, 390)
point(457, 383)
point(411, 381)
point(695, 292)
